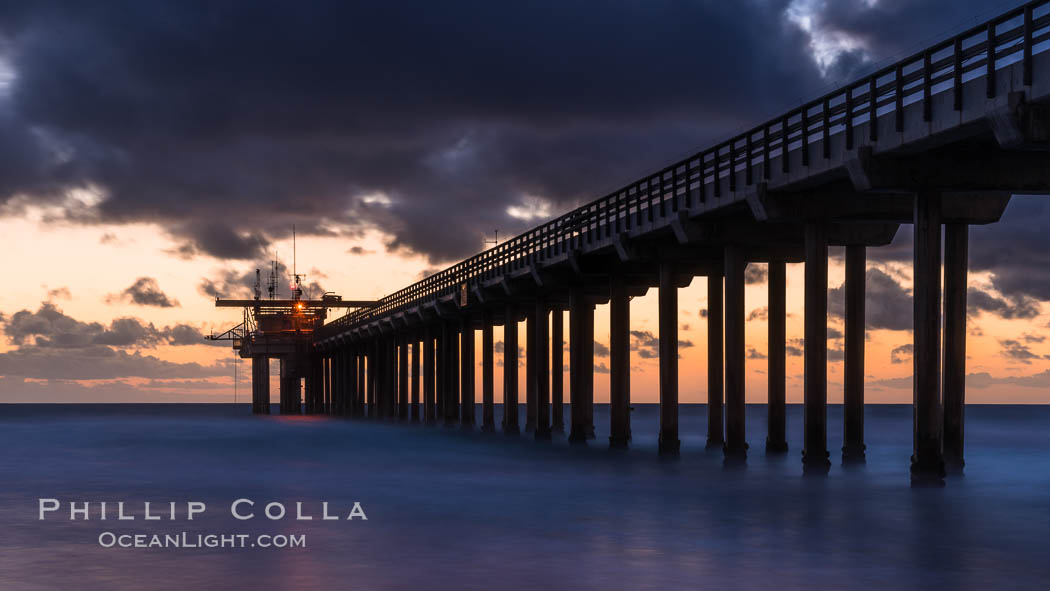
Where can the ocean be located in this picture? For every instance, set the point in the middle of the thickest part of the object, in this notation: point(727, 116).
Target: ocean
point(453, 509)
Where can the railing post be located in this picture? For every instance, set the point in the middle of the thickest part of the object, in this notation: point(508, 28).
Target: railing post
point(873, 110)
point(957, 67)
point(990, 61)
point(1027, 46)
point(898, 98)
point(927, 86)
point(849, 118)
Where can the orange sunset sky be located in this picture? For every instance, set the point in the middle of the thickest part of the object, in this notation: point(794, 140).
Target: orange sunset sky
point(152, 159)
point(81, 272)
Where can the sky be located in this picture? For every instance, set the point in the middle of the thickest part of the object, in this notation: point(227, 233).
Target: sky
point(154, 154)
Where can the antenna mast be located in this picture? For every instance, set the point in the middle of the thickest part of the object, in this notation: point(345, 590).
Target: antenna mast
point(297, 289)
point(495, 240)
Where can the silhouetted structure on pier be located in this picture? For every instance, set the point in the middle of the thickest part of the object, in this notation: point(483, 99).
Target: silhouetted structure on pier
point(284, 329)
point(939, 140)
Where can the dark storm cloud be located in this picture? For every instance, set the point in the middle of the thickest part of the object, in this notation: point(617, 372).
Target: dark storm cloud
point(758, 314)
point(986, 380)
point(228, 283)
point(648, 345)
point(52, 345)
point(1022, 306)
point(501, 348)
point(600, 349)
point(1017, 351)
point(1015, 251)
point(890, 28)
point(50, 328)
point(145, 292)
point(902, 353)
point(753, 353)
point(263, 114)
point(756, 274)
point(97, 362)
point(645, 343)
point(887, 304)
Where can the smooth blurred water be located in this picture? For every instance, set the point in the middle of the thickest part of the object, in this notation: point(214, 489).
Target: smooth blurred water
point(453, 509)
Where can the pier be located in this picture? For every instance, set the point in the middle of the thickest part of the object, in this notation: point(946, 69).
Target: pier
point(939, 140)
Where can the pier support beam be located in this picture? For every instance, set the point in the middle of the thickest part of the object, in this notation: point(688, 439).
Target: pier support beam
point(736, 431)
point(619, 364)
point(322, 393)
point(291, 393)
point(541, 375)
point(466, 371)
point(380, 378)
point(344, 385)
point(336, 399)
point(351, 381)
point(260, 385)
point(402, 378)
point(587, 369)
point(393, 382)
point(370, 379)
point(510, 371)
point(815, 358)
point(429, 402)
point(531, 367)
point(956, 252)
point(361, 385)
point(715, 361)
point(668, 442)
point(413, 409)
point(451, 338)
point(927, 462)
point(581, 366)
point(440, 373)
point(853, 373)
point(776, 438)
point(488, 386)
point(558, 371)
point(339, 402)
point(312, 373)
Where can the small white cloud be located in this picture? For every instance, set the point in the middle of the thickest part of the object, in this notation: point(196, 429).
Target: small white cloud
point(825, 45)
point(377, 199)
point(7, 77)
point(530, 208)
